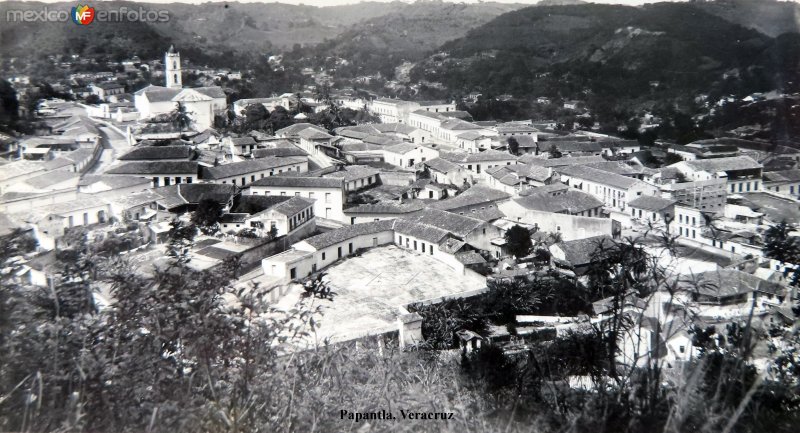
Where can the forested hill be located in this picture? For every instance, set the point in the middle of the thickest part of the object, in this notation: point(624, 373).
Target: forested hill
point(247, 28)
point(611, 51)
point(770, 17)
point(407, 32)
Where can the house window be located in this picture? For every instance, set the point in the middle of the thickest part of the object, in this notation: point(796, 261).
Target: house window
point(682, 349)
point(327, 197)
point(374, 242)
point(323, 256)
point(423, 247)
point(293, 273)
point(339, 252)
point(350, 248)
point(415, 245)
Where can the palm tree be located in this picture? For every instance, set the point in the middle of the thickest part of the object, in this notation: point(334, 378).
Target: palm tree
point(180, 117)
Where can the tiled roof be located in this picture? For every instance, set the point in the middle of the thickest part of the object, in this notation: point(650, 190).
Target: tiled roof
point(313, 134)
point(249, 166)
point(300, 181)
point(294, 130)
point(473, 196)
point(353, 172)
point(333, 237)
point(293, 206)
point(280, 151)
point(574, 146)
point(651, 203)
point(459, 225)
point(727, 282)
point(109, 85)
point(156, 167)
point(572, 201)
point(428, 114)
point(580, 251)
point(442, 165)
point(385, 208)
point(158, 93)
point(470, 258)
point(113, 182)
point(459, 125)
point(782, 176)
point(215, 92)
point(599, 176)
point(382, 139)
point(400, 128)
point(238, 141)
point(401, 148)
point(560, 162)
point(724, 164)
point(43, 181)
point(195, 192)
point(253, 204)
point(148, 153)
point(487, 155)
point(425, 232)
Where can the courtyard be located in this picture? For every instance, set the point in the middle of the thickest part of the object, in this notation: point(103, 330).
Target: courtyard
point(369, 289)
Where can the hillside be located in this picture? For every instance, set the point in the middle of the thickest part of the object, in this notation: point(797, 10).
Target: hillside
point(770, 17)
point(247, 28)
point(611, 52)
point(407, 32)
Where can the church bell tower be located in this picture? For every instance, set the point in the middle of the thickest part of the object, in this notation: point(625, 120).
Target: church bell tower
point(172, 64)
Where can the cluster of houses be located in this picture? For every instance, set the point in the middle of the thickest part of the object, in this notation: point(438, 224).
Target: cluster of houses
point(427, 179)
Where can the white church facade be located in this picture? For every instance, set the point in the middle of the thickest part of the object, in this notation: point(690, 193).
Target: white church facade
point(200, 103)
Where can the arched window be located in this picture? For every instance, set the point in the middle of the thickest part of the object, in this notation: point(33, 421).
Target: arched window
point(176, 78)
point(174, 65)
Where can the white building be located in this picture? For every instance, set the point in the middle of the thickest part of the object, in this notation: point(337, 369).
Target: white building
point(328, 193)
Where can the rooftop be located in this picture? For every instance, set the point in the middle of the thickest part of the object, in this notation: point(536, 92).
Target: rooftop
point(300, 181)
point(147, 153)
point(571, 201)
point(333, 237)
point(580, 251)
point(156, 167)
point(473, 196)
point(724, 164)
point(650, 203)
point(249, 166)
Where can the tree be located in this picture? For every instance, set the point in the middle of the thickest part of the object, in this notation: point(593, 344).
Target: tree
point(181, 239)
point(779, 245)
point(513, 146)
point(518, 241)
point(207, 214)
point(179, 117)
point(93, 99)
point(255, 116)
point(554, 152)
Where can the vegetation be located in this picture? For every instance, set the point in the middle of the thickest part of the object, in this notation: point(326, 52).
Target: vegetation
point(518, 241)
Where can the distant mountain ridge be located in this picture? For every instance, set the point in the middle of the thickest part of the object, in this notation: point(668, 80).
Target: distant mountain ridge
point(219, 27)
point(612, 51)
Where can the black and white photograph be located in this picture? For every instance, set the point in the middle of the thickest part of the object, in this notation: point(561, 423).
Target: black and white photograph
point(419, 216)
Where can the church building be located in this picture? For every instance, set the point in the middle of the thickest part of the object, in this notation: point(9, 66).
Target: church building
point(200, 103)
